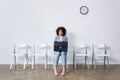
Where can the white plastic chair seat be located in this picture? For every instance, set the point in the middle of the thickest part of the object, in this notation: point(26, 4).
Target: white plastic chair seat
point(44, 47)
point(18, 54)
point(25, 47)
point(101, 54)
point(81, 54)
point(39, 54)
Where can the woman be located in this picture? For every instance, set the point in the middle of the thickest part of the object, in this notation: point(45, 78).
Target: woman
point(61, 37)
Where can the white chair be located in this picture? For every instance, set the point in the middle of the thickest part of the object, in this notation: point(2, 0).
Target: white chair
point(101, 51)
point(20, 52)
point(79, 52)
point(40, 50)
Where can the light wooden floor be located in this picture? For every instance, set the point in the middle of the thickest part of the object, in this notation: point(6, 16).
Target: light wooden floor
point(41, 74)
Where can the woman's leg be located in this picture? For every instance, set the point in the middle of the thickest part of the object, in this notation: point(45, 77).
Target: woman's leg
point(56, 59)
point(63, 56)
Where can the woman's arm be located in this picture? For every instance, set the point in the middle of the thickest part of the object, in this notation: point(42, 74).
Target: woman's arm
point(56, 38)
point(65, 39)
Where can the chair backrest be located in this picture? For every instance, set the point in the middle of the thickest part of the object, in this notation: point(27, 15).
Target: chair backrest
point(40, 48)
point(81, 49)
point(100, 48)
point(108, 49)
point(22, 48)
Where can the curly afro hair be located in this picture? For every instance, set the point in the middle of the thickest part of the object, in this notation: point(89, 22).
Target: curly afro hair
point(63, 30)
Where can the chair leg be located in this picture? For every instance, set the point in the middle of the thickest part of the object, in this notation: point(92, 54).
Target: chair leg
point(15, 61)
point(66, 64)
point(85, 60)
point(92, 59)
point(95, 65)
point(94, 62)
point(73, 60)
point(46, 61)
point(88, 62)
point(75, 67)
point(108, 62)
point(33, 62)
point(11, 65)
point(104, 61)
point(25, 60)
point(75, 64)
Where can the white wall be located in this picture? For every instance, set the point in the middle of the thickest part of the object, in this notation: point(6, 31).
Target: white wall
point(36, 21)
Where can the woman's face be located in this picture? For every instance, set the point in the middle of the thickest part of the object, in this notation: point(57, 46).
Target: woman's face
point(60, 32)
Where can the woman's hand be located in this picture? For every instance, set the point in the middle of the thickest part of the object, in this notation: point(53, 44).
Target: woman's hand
point(60, 41)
